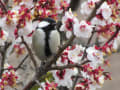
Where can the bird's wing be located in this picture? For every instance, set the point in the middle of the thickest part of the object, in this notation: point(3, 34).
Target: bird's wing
point(54, 41)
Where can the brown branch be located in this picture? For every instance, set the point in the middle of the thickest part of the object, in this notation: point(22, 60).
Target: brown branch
point(89, 41)
point(19, 66)
point(30, 52)
point(3, 6)
point(95, 10)
point(74, 4)
point(114, 35)
point(2, 63)
point(3, 53)
point(68, 66)
point(35, 1)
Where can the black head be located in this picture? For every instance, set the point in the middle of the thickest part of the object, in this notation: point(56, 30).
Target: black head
point(47, 24)
point(50, 20)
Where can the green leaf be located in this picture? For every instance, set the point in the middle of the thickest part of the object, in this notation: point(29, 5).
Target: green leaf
point(35, 87)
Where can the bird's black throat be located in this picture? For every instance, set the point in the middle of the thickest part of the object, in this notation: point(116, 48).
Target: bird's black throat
point(47, 31)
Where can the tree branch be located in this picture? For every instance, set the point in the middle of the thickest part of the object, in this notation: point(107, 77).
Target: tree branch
point(114, 35)
point(68, 66)
point(3, 6)
point(19, 66)
point(30, 52)
point(95, 10)
point(3, 53)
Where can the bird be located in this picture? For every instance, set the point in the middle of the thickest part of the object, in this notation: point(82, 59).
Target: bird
point(45, 39)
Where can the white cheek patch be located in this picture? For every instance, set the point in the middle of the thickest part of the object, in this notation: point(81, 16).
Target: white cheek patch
point(43, 24)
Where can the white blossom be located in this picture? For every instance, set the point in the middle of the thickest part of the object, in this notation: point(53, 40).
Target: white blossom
point(95, 56)
point(66, 81)
point(85, 9)
point(26, 30)
point(105, 10)
point(76, 54)
point(82, 29)
point(4, 37)
point(116, 43)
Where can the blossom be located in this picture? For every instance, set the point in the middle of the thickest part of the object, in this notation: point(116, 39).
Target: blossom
point(3, 37)
point(62, 5)
point(82, 29)
point(51, 86)
point(105, 10)
point(80, 86)
point(116, 43)
point(101, 80)
point(95, 56)
point(76, 54)
point(63, 78)
point(26, 30)
point(86, 8)
point(68, 22)
point(8, 78)
point(19, 49)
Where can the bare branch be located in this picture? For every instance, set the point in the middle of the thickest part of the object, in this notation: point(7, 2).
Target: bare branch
point(114, 35)
point(30, 52)
point(3, 6)
point(66, 67)
point(3, 53)
point(19, 66)
point(95, 10)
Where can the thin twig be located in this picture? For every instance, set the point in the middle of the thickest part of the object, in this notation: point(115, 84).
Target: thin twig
point(114, 35)
point(89, 40)
point(30, 52)
point(2, 63)
point(95, 10)
point(19, 66)
point(68, 66)
point(35, 1)
point(3, 53)
point(3, 6)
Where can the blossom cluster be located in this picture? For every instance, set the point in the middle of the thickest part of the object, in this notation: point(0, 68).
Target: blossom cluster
point(92, 75)
point(72, 25)
point(9, 77)
point(20, 20)
point(104, 24)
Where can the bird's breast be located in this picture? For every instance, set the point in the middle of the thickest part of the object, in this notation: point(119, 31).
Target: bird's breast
point(54, 41)
point(38, 43)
